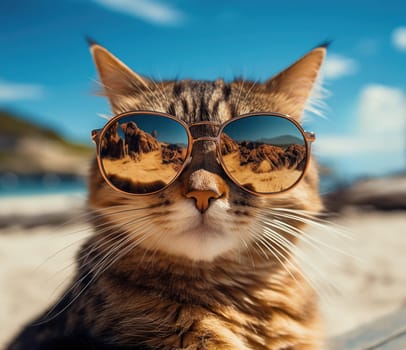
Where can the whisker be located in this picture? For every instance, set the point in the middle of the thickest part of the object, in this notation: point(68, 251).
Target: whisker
point(269, 218)
point(48, 316)
point(124, 252)
point(113, 233)
point(275, 253)
point(262, 251)
point(106, 241)
point(96, 270)
point(245, 244)
point(293, 251)
point(303, 237)
point(103, 212)
point(108, 259)
point(297, 232)
point(311, 220)
point(309, 239)
point(59, 251)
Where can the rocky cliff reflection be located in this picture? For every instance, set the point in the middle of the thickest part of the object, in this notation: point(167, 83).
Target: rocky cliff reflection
point(137, 162)
point(264, 166)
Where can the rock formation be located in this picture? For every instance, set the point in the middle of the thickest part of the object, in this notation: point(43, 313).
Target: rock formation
point(138, 141)
point(174, 154)
point(228, 145)
point(265, 158)
point(112, 146)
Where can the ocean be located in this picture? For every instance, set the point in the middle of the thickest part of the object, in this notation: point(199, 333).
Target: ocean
point(11, 185)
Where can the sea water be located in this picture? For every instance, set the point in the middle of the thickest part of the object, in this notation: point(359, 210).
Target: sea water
point(13, 185)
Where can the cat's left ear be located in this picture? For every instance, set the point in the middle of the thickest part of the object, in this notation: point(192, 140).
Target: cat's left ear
point(117, 79)
point(298, 80)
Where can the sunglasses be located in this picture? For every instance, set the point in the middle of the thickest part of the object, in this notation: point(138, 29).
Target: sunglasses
point(142, 152)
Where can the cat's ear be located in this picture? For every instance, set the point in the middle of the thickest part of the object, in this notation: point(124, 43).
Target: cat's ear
point(298, 80)
point(116, 78)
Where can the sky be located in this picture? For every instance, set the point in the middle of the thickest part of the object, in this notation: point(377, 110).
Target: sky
point(47, 74)
point(168, 130)
point(263, 129)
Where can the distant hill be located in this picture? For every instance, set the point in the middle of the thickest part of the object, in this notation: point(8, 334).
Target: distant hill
point(27, 148)
point(283, 140)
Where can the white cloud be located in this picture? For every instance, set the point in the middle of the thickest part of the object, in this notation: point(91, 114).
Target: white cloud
point(337, 66)
point(357, 145)
point(382, 109)
point(380, 127)
point(148, 10)
point(10, 91)
point(399, 38)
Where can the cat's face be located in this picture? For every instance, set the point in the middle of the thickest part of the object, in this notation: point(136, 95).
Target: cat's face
point(182, 220)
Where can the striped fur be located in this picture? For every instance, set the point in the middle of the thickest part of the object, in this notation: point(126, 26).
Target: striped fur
point(157, 273)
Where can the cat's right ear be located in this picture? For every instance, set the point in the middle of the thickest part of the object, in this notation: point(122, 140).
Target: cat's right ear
point(116, 78)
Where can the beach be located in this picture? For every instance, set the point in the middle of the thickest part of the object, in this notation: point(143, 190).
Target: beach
point(357, 266)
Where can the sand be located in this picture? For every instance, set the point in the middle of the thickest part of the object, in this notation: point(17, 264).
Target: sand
point(35, 267)
point(369, 282)
point(263, 179)
point(367, 269)
point(150, 167)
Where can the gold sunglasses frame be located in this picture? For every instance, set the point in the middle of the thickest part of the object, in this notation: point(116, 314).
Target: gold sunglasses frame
point(97, 135)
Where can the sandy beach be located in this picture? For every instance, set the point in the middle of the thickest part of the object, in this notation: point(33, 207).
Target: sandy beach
point(360, 278)
point(260, 175)
point(150, 167)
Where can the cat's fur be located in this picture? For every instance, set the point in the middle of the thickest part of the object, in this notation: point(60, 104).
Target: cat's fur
point(160, 274)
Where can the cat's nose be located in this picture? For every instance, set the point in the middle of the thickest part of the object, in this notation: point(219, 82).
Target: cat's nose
point(204, 187)
point(202, 199)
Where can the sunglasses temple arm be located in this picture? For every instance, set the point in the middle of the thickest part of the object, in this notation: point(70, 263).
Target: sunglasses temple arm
point(310, 136)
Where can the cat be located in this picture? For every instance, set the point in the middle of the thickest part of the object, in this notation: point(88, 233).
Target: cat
point(154, 275)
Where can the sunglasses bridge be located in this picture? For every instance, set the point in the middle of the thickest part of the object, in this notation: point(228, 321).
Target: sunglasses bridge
point(205, 138)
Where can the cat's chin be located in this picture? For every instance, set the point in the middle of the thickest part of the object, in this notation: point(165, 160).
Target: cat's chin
point(199, 237)
point(199, 244)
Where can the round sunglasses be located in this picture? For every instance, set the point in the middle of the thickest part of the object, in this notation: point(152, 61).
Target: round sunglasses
point(143, 152)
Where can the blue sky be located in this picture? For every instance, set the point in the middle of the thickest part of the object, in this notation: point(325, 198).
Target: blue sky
point(261, 129)
point(168, 130)
point(46, 72)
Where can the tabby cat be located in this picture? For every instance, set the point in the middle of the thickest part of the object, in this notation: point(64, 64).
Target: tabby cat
point(201, 262)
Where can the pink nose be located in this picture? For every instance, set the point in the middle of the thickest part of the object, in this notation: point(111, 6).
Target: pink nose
point(202, 198)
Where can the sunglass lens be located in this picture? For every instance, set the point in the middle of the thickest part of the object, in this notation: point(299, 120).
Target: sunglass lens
point(265, 154)
point(141, 154)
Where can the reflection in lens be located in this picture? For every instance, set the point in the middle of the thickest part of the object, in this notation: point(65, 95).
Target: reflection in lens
point(143, 153)
point(264, 154)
